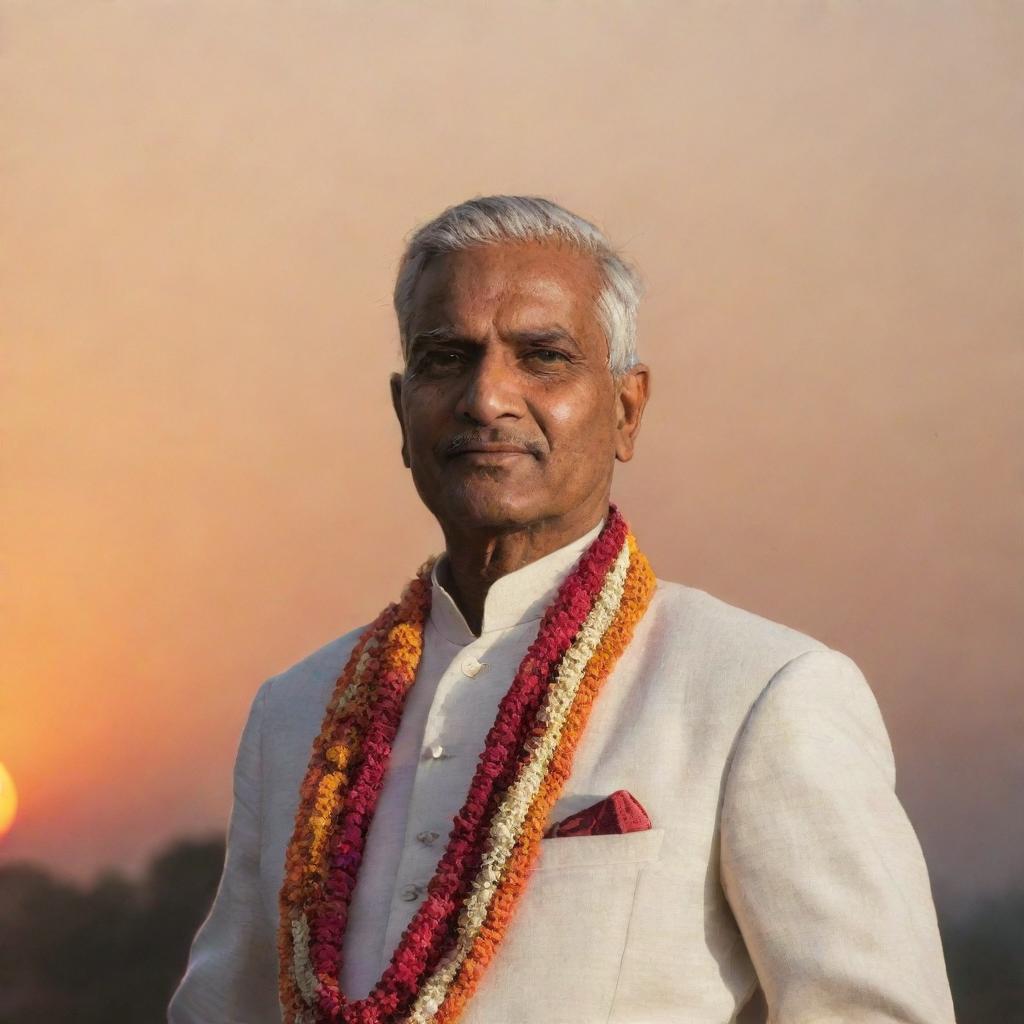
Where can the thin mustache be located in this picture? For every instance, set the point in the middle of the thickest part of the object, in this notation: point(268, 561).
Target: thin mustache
point(461, 442)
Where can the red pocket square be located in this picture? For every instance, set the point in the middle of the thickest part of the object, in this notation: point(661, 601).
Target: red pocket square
point(620, 812)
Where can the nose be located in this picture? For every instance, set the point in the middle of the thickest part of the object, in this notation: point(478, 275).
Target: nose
point(490, 391)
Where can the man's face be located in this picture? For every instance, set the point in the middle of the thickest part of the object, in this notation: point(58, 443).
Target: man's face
point(510, 415)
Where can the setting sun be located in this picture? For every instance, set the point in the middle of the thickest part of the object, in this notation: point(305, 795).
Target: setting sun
point(8, 800)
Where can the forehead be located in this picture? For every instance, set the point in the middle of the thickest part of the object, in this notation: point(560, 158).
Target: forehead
point(515, 286)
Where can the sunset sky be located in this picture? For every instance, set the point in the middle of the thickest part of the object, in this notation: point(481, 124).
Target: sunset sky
point(202, 209)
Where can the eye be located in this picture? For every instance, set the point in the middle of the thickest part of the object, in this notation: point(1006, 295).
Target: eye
point(441, 359)
point(547, 355)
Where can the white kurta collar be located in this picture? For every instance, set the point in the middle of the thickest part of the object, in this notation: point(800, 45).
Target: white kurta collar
point(518, 597)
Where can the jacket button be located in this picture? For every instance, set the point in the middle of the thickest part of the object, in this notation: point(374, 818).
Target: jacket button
point(426, 838)
point(411, 892)
point(471, 667)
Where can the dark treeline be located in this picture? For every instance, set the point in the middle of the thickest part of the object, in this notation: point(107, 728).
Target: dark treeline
point(112, 953)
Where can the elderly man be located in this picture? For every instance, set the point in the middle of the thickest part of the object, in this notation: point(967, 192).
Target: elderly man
point(543, 786)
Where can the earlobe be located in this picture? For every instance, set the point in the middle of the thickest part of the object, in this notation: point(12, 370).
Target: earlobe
point(396, 402)
point(633, 392)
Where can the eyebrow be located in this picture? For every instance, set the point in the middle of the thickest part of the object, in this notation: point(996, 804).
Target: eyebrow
point(443, 335)
point(449, 334)
point(437, 334)
point(545, 334)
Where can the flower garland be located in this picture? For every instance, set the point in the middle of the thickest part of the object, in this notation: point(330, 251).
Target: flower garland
point(495, 838)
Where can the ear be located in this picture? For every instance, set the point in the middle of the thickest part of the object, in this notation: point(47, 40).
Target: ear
point(633, 390)
point(396, 401)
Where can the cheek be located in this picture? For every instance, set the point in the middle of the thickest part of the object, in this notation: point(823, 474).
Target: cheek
point(425, 419)
point(575, 423)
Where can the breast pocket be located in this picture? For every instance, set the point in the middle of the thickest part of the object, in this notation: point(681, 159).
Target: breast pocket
point(559, 962)
point(588, 851)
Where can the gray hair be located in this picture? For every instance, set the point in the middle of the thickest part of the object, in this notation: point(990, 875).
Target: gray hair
point(489, 220)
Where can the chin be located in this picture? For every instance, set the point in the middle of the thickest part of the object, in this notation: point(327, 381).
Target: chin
point(482, 508)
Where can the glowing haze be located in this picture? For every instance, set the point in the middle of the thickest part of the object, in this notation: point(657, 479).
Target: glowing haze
point(202, 210)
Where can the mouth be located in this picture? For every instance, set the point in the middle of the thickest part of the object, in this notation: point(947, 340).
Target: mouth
point(476, 449)
point(489, 454)
point(490, 449)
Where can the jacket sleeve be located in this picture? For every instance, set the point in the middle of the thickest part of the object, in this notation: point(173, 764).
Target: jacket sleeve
point(231, 976)
point(819, 862)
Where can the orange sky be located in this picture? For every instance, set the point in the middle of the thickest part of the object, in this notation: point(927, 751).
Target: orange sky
point(202, 209)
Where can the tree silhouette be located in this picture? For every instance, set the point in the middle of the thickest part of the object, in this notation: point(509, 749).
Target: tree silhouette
point(110, 953)
point(985, 958)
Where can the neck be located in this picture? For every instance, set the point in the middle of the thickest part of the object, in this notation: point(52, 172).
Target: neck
point(477, 558)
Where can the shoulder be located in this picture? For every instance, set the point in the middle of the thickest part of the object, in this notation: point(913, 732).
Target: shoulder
point(688, 618)
point(308, 681)
point(781, 691)
point(816, 715)
point(726, 656)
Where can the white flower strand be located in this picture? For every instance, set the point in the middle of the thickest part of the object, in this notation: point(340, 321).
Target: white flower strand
point(358, 676)
point(511, 813)
point(301, 967)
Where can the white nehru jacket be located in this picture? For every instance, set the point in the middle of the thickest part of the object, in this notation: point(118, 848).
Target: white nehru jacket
point(780, 879)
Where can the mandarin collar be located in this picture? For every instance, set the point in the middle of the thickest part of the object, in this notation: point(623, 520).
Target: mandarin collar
point(513, 599)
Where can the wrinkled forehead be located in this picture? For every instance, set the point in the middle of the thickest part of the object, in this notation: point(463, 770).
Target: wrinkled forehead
point(509, 287)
